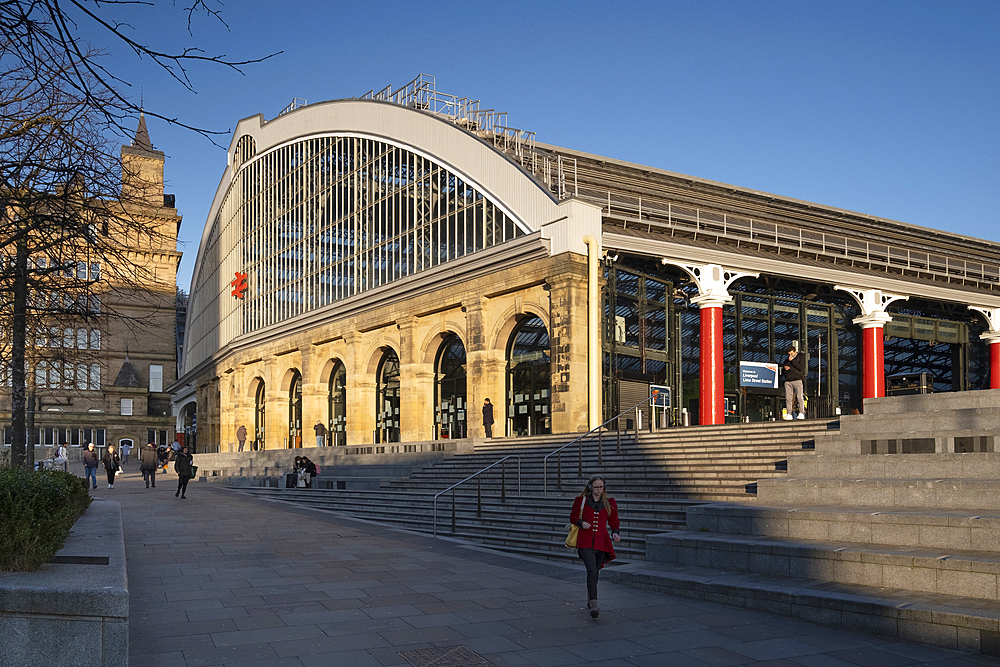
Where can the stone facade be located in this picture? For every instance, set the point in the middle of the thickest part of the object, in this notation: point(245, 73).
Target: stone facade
point(483, 313)
point(136, 331)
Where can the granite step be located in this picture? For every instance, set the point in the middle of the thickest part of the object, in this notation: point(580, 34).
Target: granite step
point(960, 623)
point(950, 571)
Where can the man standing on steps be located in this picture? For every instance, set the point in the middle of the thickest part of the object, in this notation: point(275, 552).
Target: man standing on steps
point(320, 433)
point(488, 418)
point(241, 436)
point(795, 373)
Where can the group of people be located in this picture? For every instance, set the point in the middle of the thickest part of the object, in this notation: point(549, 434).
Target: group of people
point(304, 471)
point(150, 460)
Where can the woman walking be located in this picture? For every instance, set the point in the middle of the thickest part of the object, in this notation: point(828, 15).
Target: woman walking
point(593, 512)
point(112, 463)
point(182, 465)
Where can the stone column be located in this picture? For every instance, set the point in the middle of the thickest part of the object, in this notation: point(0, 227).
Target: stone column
point(314, 393)
point(360, 394)
point(568, 346)
point(872, 321)
point(483, 380)
point(992, 338)
point(416, 386)
point(713, 283)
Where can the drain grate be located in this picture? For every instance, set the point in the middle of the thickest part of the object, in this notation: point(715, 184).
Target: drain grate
point(445, 656)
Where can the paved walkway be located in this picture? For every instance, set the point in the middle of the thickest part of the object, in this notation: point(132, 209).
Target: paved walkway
point(223, 579)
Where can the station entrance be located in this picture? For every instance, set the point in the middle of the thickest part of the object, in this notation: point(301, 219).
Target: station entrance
point(651, 337)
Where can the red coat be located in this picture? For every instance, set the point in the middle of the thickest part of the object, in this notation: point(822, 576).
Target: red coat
point(595, 537)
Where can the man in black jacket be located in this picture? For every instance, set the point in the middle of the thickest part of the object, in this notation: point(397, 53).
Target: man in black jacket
point(90, 460)
point(488, 418)
point(148, 464)
point(795, 373)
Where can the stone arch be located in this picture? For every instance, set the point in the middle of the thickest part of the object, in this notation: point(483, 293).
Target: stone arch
point(255, 382)
point(287, 377)
point(510, 318)
point(431, 343)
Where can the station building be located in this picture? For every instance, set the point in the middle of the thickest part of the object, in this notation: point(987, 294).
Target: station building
point(382, 265)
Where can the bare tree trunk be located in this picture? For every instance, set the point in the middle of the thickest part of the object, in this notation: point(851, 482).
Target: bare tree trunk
point(19, 442)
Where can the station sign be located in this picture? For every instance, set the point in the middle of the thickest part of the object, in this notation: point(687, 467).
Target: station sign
point(753, 374)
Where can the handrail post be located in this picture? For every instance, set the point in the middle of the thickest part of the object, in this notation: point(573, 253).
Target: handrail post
point(600, 454)
point(453, 511)
point(479, 497)
point(503, 483)
point(434, 518)
point(559, 471)
point(580, 460)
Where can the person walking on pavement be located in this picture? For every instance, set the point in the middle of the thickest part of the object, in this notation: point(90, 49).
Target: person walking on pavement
point(126, 448)
point(62, 457)
point(795, 373)
point(90, 460)
point(320, 433)
point(182, 466)
point(488, 418)
point(593, 512)
point(241, 436)
point(112, 464)
point(148, 463)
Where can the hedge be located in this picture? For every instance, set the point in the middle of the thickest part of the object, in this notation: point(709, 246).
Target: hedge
point(37, 511)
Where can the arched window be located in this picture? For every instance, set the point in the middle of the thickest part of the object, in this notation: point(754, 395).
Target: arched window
point(528, 378)
point(387, 398)
point(337, 406)
point(450, 403)
point(295, 412)
point(259, 404)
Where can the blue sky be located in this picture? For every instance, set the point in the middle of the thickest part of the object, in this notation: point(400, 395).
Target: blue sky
point(887, 108)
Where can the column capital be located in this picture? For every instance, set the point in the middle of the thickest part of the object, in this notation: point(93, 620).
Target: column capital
point(873, 320)
point(992, 316)
point(712, 281)
point(873, 303)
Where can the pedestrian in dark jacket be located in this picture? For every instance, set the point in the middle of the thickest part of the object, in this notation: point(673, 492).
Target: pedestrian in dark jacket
point(112, 463)
point(488, 418)
point(593, 512)
point(90, 460)
point(182, 466)
point(148, 463)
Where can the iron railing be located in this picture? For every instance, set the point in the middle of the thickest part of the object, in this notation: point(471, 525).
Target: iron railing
point(579, 442)
point(479, 489)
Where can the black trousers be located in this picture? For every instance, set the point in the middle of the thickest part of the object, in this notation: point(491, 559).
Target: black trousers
point(149, 476)
point(111, 476)
point(489, 430)
point(593, 559)
point(182, 483)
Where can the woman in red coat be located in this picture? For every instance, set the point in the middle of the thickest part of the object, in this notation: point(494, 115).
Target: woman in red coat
point(593, 512)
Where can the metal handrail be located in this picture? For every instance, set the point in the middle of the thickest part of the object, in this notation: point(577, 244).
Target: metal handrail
point(600, 448)
point(479, 491)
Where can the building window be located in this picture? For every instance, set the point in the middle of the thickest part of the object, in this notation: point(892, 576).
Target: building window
point(95, 377)
point(126, 406)
point(95, 340)
point(156, 378)
point(95, 271)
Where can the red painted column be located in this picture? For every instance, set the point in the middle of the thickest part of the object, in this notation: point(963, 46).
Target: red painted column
point(995, 364)
point(711, 389)
point(873, 361)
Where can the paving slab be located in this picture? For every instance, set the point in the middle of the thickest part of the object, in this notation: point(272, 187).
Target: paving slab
point(224, 579)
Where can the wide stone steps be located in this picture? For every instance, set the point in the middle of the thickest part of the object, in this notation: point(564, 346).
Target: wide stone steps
point(956, 622)
point(947, 571)
point(528, 524)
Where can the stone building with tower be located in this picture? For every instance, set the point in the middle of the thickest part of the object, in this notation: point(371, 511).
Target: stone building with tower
point(381, 265)
point(105, 379)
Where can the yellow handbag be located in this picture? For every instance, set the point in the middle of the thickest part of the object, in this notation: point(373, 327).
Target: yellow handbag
point(574, 530)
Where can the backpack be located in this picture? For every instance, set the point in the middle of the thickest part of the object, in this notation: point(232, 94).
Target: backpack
point(317, 470)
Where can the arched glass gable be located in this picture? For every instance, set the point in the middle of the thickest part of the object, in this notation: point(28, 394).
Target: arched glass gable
point(325, 218)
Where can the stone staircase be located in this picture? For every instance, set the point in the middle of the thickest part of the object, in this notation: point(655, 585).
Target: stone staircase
point(892, 527)
point(654, 478)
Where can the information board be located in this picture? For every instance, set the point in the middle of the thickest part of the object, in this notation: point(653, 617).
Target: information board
point(753, 374)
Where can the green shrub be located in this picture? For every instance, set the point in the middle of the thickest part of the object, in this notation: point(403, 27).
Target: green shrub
point(37, 511)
